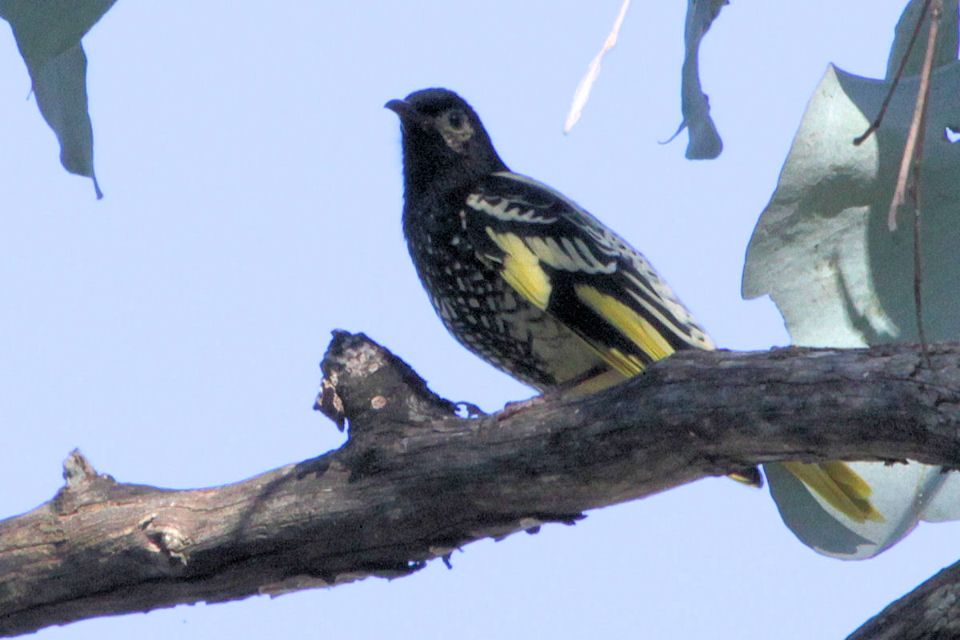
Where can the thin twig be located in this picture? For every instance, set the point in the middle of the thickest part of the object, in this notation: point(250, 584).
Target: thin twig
point(896, 78)
point(917, 130)
point(913, 149)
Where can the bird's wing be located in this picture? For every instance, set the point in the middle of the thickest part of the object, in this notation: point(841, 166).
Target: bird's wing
point(564, 261)
point(567, 263)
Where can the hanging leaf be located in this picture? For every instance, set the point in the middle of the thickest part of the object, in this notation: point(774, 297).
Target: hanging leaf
point(48, 34)
point(704, 142)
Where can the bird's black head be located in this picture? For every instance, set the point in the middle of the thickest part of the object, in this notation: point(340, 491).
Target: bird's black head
point(445, 146)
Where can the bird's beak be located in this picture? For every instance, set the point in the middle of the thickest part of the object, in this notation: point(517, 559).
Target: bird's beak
point(408, 113)
point(400, 107)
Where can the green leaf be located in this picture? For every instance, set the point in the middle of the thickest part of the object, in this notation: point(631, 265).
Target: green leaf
point(704, 142)
point(48, 34)
point(822, 251)
point(946, 51)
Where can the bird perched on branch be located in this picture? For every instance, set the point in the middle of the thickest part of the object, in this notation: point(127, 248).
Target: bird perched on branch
point(531, 282)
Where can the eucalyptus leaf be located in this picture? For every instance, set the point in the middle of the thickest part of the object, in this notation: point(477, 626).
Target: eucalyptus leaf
point(823, 252)
point(48, 34)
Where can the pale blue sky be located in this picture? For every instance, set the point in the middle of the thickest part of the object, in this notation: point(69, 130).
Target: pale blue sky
point(172, 330)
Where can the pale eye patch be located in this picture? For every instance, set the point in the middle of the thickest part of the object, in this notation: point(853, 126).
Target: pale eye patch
point(455, 127)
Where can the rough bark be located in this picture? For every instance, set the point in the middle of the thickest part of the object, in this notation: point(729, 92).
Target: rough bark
point(929, 612)
point(418, 477)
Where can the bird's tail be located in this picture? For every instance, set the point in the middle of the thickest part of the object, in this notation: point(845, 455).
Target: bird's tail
point(840, 486)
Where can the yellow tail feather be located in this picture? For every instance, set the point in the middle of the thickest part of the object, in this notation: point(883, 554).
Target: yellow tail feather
point(843, 475)
point(840, 486)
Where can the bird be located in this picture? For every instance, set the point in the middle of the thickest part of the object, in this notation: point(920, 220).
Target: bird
point(531, 282)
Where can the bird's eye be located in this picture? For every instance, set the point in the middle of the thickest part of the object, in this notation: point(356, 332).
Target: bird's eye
point(455, 119)
point(454, 125)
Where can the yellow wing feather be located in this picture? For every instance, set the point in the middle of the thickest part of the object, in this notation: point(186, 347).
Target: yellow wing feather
point(627, 321)
point(522, 270)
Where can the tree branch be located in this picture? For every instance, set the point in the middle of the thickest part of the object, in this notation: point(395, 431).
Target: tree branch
point(930, 611)
point(415, 481)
